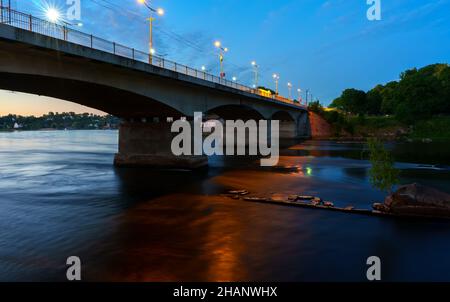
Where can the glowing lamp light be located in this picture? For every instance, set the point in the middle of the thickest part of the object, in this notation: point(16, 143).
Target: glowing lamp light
point(53, 15)
point(160, 11)
point(152, 51)
point(203, 68)
point(234, 79)
point(217, 44)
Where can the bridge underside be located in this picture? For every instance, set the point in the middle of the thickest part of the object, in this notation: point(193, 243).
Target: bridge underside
point(104, 98)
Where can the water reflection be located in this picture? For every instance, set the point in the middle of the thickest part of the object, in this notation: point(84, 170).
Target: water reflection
point(61, 196)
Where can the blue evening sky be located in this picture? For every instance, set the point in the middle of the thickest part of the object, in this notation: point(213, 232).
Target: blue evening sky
point(323, 45)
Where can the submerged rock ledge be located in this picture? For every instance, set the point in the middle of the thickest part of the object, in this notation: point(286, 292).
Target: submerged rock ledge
point(408, 201)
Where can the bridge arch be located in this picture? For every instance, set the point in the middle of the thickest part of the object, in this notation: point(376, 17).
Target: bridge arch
point(283, 116)
point(288, 124)
point(112, 100)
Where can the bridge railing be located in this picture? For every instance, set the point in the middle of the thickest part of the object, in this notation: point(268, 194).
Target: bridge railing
point(64, 32)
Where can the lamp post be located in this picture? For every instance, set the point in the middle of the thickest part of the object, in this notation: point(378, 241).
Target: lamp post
point(255, 70)
point(222, 51)
point(158, 11)
point(276, 77)
point(53, 15)
point(290, 90)
point(66, 30)
point(307, 92)
point(299, 95)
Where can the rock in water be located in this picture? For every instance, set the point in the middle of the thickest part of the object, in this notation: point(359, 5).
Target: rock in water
point(419, 200)
point(328, 204)
point(380, 207)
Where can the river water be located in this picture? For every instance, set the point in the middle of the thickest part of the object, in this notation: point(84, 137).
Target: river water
point(61, 196)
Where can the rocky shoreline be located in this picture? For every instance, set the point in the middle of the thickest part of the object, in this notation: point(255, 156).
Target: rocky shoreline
point(413, 200)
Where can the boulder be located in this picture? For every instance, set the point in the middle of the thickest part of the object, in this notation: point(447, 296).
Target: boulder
point(418, 200)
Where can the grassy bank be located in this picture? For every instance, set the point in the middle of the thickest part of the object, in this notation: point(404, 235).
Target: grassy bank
point(346, 126)
point(435, 129)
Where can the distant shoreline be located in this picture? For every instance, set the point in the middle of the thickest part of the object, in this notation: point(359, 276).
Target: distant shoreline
point(52, 129)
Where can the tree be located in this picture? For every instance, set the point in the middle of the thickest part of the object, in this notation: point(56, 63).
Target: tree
point(374, 99)
point(351, 100)
point(389, 96)
point(422, 93)
point(383, 174)
point(315, 107)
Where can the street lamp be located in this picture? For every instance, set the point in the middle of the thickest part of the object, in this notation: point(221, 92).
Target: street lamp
point(53, 15)
point(255, 70)
point(276, 77)
point(299, 95)
point(290, 89)
point(159, 12)
point(222, 50)
point(234, 79)
point(307, 92)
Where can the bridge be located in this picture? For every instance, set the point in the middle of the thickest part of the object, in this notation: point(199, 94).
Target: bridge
point(44, 58)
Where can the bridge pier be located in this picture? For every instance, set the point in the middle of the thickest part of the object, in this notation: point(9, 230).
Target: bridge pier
point(288, 130)
point(148, 144)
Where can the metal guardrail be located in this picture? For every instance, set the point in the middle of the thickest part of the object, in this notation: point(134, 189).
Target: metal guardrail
point(29, 22)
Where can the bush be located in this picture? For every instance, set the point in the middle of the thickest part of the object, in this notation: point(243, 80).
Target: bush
point(383, 175)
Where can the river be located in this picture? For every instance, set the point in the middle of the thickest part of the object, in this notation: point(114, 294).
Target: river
point(61, 196)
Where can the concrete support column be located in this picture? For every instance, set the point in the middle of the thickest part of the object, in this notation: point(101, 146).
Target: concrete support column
point(288, 130)
point(304, 126)
point(149, 144)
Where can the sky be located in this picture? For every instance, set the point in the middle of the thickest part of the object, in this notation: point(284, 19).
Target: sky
point(325, 46)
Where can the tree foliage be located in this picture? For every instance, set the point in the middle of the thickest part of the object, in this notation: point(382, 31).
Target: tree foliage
point(315, 107)
point(352, 101)
point(419, 94)
point(383, 174)
point(65, 120)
